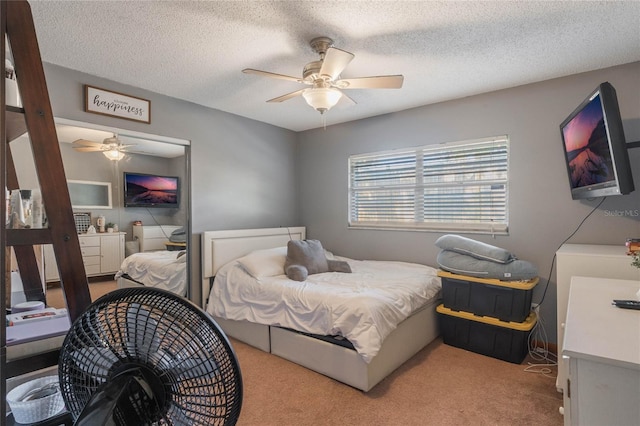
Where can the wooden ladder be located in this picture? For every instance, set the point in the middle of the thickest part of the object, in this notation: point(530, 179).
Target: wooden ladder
point(36, 118)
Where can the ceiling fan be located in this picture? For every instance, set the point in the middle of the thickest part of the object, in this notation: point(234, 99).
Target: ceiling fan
point(324, 78)
point(112, 147)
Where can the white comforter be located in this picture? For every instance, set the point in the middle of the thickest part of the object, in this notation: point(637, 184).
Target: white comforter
point(364, 306)
point(162, 269)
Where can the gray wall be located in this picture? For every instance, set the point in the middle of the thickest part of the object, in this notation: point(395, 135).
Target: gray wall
point(242, 172)
point(247, 174)
point(541, 212)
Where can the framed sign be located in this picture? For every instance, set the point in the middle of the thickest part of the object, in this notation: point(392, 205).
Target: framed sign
point(106, 102)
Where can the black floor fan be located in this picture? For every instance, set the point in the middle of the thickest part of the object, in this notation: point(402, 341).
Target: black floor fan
point(142, 356)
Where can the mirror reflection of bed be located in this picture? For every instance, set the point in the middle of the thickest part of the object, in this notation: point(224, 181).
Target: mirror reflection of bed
point(355, 327)
point(160, 260)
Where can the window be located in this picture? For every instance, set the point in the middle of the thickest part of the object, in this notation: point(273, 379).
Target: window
point(460, 186)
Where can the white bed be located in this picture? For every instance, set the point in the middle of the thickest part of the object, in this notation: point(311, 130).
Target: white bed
point(362, 367)
point(153, 266)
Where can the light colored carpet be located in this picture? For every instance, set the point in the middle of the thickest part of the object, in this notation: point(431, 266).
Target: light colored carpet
point(55, 297)
point(441, 385)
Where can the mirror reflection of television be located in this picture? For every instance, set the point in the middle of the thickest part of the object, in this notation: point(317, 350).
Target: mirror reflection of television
point(145, 190)
point(595, 148)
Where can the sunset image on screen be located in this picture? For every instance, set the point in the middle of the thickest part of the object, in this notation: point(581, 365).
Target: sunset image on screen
point(151, 190)
point(587, 146)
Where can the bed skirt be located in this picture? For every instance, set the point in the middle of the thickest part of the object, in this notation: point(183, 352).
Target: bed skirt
point(125, 281)
point(336, 361)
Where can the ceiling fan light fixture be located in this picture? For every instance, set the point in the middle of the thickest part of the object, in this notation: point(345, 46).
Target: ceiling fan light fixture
point(113, 154)
point(322, 99)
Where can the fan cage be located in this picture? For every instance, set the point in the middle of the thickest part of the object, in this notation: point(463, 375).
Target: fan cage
point(180, 350)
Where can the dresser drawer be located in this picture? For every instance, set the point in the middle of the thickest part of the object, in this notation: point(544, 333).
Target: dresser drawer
point(92, 269)
point(92, 241)
point(91, 260)
point(90, 251)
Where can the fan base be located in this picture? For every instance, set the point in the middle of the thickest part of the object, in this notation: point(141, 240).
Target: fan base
point(321, 44)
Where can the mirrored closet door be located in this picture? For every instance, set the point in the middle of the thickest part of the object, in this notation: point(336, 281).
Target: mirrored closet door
point(130, 193)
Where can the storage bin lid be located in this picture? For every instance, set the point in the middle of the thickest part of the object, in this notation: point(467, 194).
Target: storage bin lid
point(526, 325)
point(518, 285)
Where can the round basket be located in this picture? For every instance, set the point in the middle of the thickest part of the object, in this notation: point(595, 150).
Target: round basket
point(35, 410)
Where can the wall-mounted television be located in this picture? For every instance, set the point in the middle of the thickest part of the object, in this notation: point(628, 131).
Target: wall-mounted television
point(146, 190)
point(595, 148)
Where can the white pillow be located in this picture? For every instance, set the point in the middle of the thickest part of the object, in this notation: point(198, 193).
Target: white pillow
point(264, 263)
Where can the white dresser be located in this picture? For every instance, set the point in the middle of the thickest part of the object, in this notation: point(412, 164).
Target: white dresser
point(102, 254)
point(602, 350)
point(586, 260)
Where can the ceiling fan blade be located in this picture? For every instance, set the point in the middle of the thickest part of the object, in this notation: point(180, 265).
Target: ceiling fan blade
point(87, 148)
point(84, 142)
point(335, 61)
point(287, 96)
point(272, 75)
point(379, 82)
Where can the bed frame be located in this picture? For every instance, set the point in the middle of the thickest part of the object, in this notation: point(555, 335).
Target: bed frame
point(149, 238)
point(335, 361)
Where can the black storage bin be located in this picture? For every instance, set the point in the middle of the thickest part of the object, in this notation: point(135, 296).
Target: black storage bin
point(505, 300)
point(488, 336)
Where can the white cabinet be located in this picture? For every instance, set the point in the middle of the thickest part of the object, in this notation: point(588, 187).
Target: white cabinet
point(602, 347)
point(102, 254)
point(50, 266)
point(586, 260)
point(111, 252)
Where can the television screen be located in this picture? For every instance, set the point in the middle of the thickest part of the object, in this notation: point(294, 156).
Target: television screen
point(144, 190)
point(595, 148)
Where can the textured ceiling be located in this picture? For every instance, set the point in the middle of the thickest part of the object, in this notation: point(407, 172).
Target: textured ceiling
point(196, 50)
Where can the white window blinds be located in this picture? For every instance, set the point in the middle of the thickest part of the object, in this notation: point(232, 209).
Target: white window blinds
point(461, 186)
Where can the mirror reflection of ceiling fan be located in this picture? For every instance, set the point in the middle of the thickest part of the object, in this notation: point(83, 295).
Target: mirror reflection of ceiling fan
point(112, 147)
point(324, 78)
